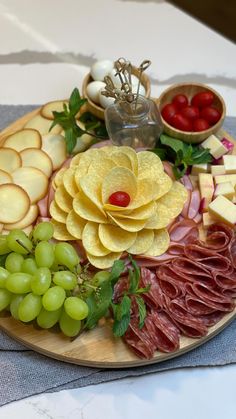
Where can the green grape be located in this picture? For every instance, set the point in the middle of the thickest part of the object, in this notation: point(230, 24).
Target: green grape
point(18, 242)
point(3, 246)
point(5, 298)
point(14, 262)
point(65, 279)
point(30, 307)
point(43, 231)
point(29, 266)
point(47, 319)
point(44, 254)
point(76, 308)
point(41, 281)
point(66, 255)
point(3, 276)
point(69, 326)
point(18, 283)
point(100, 277)
point(53, 298)
point(14, 306)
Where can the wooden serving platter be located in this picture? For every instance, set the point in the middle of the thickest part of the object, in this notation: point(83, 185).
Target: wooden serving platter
point(98, 347)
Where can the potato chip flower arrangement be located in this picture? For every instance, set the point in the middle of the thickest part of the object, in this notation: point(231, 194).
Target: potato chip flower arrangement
point(116, 200)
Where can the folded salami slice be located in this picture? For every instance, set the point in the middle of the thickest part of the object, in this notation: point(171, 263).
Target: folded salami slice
point(192, 271)
point(210, 297)
point(219, 237)
point(155, 297)
point(139, 341)
point(212, 319)
point(225, 281)
point(170, 282)
point(167, 334)
point(208, 258)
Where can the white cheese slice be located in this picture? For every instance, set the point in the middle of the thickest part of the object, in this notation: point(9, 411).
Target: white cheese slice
point(200, 168)
point(225, 178)
point(223, 209)
point(216, 148)
point(207, 219)
point(229, 163)
point(226, 189)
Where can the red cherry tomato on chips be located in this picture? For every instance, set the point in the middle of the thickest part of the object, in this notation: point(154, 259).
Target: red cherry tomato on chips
point(200, 124)
point(168, 112)
point(212, 115)
point(190, 112)
point(119, 198)
point(202, 99)
point(180, 101)
point(180, 122)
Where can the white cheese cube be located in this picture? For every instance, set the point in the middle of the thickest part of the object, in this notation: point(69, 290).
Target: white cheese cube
point(207, 219)
point(223, 209)
point(226, 189)
point(216, 148)
point(200, 168)
point(229, 163)
point(218, 169)
point(206, 186)
point(225, 178)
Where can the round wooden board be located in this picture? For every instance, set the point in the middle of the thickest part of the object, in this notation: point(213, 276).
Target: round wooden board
point(98, 347)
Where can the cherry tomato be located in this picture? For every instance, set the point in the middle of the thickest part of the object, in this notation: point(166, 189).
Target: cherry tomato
point(212, 115)
point(119, 198)
point(200, 124)
point(190, 112)
point(180, 122)
point(168, 111)
point(180, 101)
point(202, 99)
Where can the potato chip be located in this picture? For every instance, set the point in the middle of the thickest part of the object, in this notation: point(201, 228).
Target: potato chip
point(127, 224)
point(59, 176)
point(92, 242)
point(75, 224)
point(174, 200)
point(141, 213)
point(87, 210)
point(161, 218)
point(142, 243)
point(75, 160)
point(103, 262)
point(69, 182)
point(63, 199)
point(109, 149)
point(163, 185)
point(160, 243)
point(60, 231)
point(121, 159)
point(91, 187)
point(149, 165)
point(57, 213)
point(114, 238)
point(119, 179)
point(101, 167)
point(131, 153)
point(145, 193)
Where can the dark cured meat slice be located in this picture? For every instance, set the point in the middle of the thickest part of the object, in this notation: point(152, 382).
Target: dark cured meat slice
point(155, 298)
point(189, 325)
point(212, 319)
point(171, 283)
point(219, 237)
point(225, 281)
point(197, 307)
point(232, 252)
point(137, 340)
point(167, 334)
point(120, 288)
point(208, 258)
point(210, 297)
point(192, 271)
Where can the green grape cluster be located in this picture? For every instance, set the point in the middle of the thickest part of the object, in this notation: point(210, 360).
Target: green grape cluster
point(41, 280)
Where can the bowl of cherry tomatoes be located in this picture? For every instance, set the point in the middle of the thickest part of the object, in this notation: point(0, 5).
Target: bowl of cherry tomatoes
point(191, 112)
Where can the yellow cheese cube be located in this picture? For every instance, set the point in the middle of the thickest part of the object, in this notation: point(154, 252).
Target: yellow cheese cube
point(194, 181)
point(206, 186)
point(218, 169)
point(226, 189)
point(223, 209)
point(200, 168)
point(229, 163)
point(225, 178)
point(207, 219)
point(216, 148)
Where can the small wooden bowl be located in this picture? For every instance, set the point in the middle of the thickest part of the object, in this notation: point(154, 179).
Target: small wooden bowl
point(190, 90)
point(98, 110)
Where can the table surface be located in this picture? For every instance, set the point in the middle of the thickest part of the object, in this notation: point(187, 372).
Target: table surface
point(46, 48)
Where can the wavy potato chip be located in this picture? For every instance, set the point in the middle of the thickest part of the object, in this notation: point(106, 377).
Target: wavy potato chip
point(121, 159)
point(114, 238)
point(103, 262)
point(149, 165)
point(69, 183)
point(119, 179)
point(174, 200)
point(101, 167)
point(63, 199)
point(92, 242)
point(75, 224)
point(60, 231)
point(57, 213)
point(160, 243)
point(91, 187)
point(127, 224)
point(142, 243)
point(87, 210)
point(131, 153)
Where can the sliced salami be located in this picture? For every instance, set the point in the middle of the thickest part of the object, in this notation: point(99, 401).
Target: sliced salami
point(208, 258)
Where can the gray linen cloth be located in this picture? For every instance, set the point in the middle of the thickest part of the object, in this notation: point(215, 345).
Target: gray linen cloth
point(25, 373)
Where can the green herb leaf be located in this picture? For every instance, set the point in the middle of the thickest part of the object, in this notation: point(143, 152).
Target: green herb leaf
point(121, 316)
point(70, 140)
point(142, 311)
point(171, 142)
point(134, 276)
point(98, 304)
point(160, 152)
point(116, 271)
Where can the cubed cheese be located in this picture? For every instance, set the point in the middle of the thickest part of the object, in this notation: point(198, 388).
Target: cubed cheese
point(216, 148)
point(223, 209)
point(200, 168)
point(207, 219)
point(206, 186)
point(229, 163)
point(218, 169)
point(194, 181)
point(225, 178)
point(226, 189)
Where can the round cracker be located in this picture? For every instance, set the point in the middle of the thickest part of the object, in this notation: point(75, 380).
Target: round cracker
point(114, 238)
point(32, 157)
point(75, 224)
point(14, 203)
point(33, 181)
point(26, 221)
point(103, 262)
point(91, 240)
point(10, 160)
point(23, 139)
point(5, 177)
point(50, 107)
point(160, 243)
point(142, 243)
point(42, 125)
